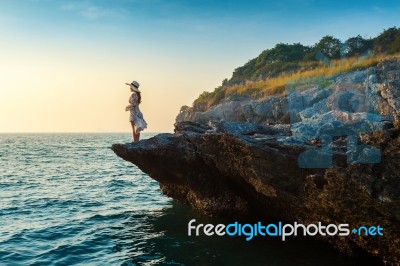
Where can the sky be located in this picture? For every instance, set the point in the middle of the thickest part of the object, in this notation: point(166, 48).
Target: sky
point(63, 64)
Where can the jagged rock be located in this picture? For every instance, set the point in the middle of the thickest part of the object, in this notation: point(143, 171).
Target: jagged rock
point(389, 87)
point(234, 170)
point(354, 92)
point(250, 167)
point(273, 110)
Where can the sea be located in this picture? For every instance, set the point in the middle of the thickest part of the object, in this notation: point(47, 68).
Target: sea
point(67, 199)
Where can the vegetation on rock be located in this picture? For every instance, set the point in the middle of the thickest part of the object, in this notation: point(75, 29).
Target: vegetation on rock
point(269, 73)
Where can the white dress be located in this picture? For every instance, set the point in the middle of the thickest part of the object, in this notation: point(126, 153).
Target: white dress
point(136, 115)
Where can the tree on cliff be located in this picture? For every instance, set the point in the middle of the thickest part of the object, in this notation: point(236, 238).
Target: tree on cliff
point(328, 46)
point(357, 45)
point(388, 41)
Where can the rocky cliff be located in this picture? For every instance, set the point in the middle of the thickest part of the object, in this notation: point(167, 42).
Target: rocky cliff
point(329, 155)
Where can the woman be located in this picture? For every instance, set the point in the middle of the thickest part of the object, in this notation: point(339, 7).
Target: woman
point(136, 117)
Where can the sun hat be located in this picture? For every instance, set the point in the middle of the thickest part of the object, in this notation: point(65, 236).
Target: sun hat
point(134, 85)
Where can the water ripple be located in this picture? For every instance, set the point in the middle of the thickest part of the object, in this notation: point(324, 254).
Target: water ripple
point(66, 199)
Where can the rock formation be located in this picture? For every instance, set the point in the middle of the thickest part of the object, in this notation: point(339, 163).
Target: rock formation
point(337, 161)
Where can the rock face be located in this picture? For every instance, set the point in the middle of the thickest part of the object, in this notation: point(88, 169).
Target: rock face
point(245, 166)
point(366, 91)
point(268, 111)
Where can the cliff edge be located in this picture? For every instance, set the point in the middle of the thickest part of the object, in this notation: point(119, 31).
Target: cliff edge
point(329, 155)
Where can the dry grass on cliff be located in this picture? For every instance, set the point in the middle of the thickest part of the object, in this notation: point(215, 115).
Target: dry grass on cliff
point(277, 85)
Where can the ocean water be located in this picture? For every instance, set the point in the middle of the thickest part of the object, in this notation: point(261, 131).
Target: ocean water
point(67, 199)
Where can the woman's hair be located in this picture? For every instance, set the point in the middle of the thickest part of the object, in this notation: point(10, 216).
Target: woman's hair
point(139, 97)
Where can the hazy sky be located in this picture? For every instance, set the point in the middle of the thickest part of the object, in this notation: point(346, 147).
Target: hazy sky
point(63, 64)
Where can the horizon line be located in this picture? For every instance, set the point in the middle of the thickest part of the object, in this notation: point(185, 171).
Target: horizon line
point(77, 132)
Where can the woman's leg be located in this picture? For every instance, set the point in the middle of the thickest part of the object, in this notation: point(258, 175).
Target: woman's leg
point(137, 137)
point(133, 131)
